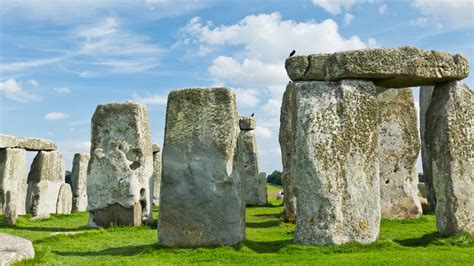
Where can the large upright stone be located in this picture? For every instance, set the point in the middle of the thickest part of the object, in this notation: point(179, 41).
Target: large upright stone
point(13, 178)
point(449, 140)
point(262, 189)
point(333, 161)
point(286, 139)
point(425, 100)
point(64, 203)
point(80, 164)
point(248, 156)
point(156, 174)
point(386, 67)
point(10, 208)
point(120, 166)
point(202, 201)
point(398, 151)
point(30, 144)
point(44, 181)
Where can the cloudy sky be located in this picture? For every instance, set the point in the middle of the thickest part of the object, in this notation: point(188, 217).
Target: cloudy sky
point(60, 59)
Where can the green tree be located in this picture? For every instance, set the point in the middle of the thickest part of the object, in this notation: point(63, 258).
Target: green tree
point(275, 178)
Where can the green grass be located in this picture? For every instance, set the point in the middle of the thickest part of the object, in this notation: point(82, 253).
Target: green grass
point(269, 241)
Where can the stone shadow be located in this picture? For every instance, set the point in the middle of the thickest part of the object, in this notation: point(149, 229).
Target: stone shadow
point(267, 246)
point(265, 224)
point(117, 251)
point(420, 241)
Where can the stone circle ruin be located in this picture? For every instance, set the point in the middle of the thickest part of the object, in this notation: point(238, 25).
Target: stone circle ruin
point(349, 142)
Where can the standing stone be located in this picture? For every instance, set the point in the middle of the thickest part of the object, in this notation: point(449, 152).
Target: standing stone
point(449, 140)
point(10, 209)
point(156, 174)
point(202, 201)
point(398, 152)
point(262, 189)
point(425, 100)
point(79, 181)
point(333, 161)
point(120, 166)
point(44, 181)
point(64, 204)
point(286, 138)
point(13, 178)
point(248, 156)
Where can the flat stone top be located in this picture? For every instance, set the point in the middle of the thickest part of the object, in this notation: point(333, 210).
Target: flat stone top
point(386, 67)
point(247, 122)
point(29, 144)
point(14, 248)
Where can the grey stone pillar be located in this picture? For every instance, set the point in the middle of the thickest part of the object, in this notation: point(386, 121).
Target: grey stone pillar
point(80, 164)
point(202, 202)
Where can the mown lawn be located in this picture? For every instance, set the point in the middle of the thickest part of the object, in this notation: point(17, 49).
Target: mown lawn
point(269, 241)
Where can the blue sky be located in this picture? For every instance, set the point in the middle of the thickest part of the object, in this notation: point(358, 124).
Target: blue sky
point(60, 59)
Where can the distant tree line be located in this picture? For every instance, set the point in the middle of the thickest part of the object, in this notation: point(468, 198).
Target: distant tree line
point(275, 178)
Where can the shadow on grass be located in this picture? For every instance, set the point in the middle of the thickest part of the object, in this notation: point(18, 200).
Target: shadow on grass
point(267, 246)
point(266, 224)
point(42, 228)
point(420, 241)
point(272, 215)
point(118, 251)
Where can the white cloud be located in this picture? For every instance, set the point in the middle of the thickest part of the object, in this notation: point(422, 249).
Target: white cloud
point(14, 91)
point(382, 9)
point(33, 82)
point(149, 99)
point(62, 12)
point(455, 12)
point(25, 64)
point(420, 22)
point(247, 97)
point(263, 132)
point(56, 116)
point(335, 7)
point(62, 90)
point(70, 147)
point(348, 18)
point(99, 48)
point(255, 49)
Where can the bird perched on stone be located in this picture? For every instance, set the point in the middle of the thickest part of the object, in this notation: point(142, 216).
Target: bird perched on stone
point(292, 53)
point(252, 114)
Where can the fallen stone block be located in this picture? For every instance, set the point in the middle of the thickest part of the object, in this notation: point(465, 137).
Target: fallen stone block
point(14, 249)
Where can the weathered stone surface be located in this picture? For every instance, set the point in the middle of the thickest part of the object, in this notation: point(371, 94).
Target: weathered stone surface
point(64, 204)
point(116, 214)
point(286, 139)
point(334, 150)
point(247, 122)
point(80, 164)
point(156, 148)
point(121, 163)
point(10, 209)
point(14, 249)
point(156, 175)
point(398, 151)
point(202, 200)
point(44, 181)
point(262, 189)
point(13, 178)
point(425, 100)
point(386, 67)
point(248, 165)
point(449, 140)
point(30, 144)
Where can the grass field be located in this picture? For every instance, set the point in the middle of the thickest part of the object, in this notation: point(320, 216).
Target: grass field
point(269, 241)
